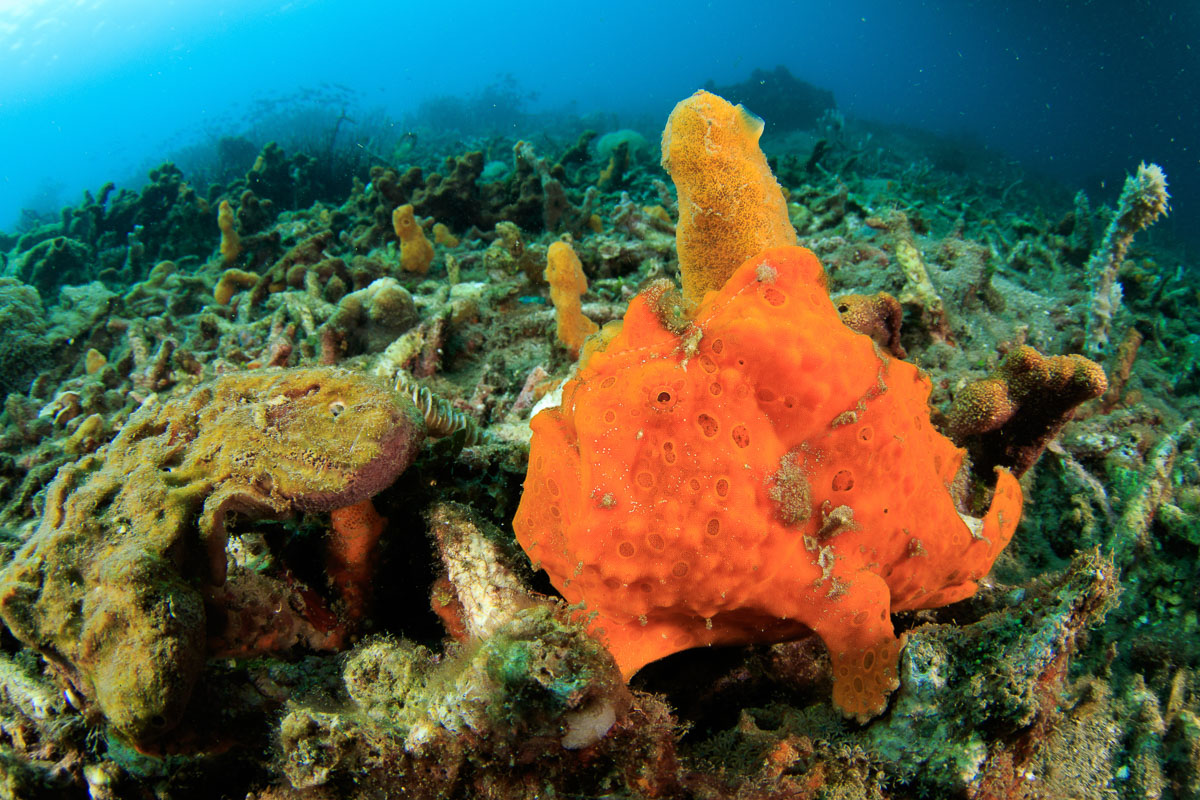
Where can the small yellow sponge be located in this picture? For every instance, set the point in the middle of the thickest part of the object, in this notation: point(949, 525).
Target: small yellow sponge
point(416, 253)
point(443, 236)
point(231, 281)
point(231, 244)
point(730, 205)
point(564, 273)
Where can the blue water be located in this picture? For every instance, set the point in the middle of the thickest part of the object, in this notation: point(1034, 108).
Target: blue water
point(99, 90)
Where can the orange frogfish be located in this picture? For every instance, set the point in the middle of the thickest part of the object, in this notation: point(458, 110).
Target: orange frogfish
point(753, 470)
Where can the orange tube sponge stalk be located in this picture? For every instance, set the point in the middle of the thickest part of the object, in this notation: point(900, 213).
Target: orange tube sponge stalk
point(416, 253)
point(564, 273)
point(351, 554)
point(231, 244)
point(757, 473)
point(730, 205)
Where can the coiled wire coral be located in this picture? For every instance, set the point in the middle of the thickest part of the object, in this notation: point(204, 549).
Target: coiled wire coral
point(441, 418)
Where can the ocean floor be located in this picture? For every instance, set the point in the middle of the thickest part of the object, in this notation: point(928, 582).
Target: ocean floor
point(205, 382)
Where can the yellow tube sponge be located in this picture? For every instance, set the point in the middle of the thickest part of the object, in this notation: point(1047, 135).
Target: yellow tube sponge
point(416, 253)
point(564, 273)
point(730, 205)
point(443, 236)
point(231, 244)
point(230, 282)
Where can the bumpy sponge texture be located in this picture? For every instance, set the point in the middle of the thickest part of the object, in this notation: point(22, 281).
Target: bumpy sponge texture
point(416, 253)
point(568, 284)
point(730, 205)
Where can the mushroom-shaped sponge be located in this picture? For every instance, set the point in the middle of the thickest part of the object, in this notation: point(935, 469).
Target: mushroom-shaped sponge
point(111, 586)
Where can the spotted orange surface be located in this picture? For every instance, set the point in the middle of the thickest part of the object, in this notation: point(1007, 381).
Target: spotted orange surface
point(751, 475)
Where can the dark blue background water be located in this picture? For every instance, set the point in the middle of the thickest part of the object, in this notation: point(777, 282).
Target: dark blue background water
point(101, 90)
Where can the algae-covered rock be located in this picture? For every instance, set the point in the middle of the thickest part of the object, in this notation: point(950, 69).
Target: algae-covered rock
point(111, 587)
point(374, 316)
point(55, 262)
point(525, 685)
point(1001, 677)
point(22, 345)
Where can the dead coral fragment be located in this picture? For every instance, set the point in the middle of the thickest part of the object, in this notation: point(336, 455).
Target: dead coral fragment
point(486, 586)
point(522, 641)
point(527, 682)
point(105, 589)
point(1008, 418)
point(1122, 370)
point(1005, 673)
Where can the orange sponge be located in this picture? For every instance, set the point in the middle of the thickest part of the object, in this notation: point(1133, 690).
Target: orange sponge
point(757, 473)
point(351, 554)
point(730, 205)
point(564, 273)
